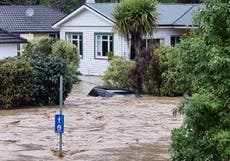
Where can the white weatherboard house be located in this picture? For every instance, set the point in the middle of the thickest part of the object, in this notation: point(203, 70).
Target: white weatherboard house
point(90, 28)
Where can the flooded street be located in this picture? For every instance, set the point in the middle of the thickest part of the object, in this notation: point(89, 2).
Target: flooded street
point(96, 129)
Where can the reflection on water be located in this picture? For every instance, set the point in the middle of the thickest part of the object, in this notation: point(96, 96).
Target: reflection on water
point(97, 129)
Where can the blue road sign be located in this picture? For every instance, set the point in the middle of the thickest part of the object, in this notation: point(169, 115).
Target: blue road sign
point(59, 124)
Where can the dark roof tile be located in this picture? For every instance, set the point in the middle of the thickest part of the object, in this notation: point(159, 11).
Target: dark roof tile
point(14, 19)
point(170, 14)
point(6, 37)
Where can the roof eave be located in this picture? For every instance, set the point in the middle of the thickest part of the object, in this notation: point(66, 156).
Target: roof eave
point(13, 42)
point(177, 26)
point(85, 6)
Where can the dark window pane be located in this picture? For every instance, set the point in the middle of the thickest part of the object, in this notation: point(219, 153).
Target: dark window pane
point(104, 37)
point(111, 46)
point(104, 48)
point(75, 42)
point(75, 36)
point(80, 48)
point(174, 40)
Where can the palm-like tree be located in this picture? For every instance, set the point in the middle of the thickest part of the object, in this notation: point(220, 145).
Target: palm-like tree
point(135, 19)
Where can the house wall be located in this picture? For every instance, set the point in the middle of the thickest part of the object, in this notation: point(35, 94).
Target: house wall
point(88, 23)
point(166, 33)
point(89, 64)
point(8, 50)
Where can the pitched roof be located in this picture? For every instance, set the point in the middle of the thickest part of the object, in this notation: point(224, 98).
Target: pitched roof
point(170, 14)
point(14, 19)
point(6, 37)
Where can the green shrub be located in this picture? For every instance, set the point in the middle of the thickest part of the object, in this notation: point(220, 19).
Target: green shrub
point(205, 133)
point(117, 74)
point(39, 46)
point(48, 71)
point(43, 47)
point(155, 67)
point(69, 53)
point(181, 60)
point(34, 78)
point(17, 80)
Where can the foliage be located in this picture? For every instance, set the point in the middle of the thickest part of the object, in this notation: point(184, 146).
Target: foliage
point(17, 79)
point(136, 19)
point(43, 47)
point(145, 75)
point(39, 46)
point(34, 78)
point(69, 53)
point(50, 58)
point(48, 71)
point(117, 74)
point(179, 79)
point(205, 133)
point(155, 66)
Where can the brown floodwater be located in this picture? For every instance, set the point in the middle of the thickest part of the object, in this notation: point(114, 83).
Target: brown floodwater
point(96, 129)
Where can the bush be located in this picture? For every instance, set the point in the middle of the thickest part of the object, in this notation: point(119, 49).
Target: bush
point(69, 53)
point(123, 74)
point(44, 47)
point(34, 78)
point(17, 80)
point(205, 133)
point(181, 60)
point(117, 74)
point(48, 71)
point(155, 67)
point(39, 46)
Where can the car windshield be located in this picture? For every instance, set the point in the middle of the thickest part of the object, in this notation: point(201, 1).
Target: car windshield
point(127, 95)
point(110, 92)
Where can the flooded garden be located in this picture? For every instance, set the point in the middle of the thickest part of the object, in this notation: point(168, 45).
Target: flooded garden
point(96, 129)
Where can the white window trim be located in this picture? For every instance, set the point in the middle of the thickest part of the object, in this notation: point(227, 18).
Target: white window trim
point(78, 34)
point(101, 40)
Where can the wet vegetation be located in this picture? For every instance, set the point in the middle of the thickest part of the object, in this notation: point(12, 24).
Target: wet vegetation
point(198, 66)
point(33, 79)
point(205, 133)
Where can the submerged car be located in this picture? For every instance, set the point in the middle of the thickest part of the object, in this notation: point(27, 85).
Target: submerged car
point(112, 92)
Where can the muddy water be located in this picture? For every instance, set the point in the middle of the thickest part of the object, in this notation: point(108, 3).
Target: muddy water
point(96, 129)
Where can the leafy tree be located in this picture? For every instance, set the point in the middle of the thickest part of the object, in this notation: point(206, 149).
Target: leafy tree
point(136, 19)
point(205, 133)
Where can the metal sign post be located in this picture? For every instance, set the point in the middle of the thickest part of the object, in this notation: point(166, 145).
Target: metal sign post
point(59, 118)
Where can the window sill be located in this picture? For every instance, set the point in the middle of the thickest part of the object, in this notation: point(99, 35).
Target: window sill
point(101, 58)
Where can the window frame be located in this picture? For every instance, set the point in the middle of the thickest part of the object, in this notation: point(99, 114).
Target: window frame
point(176, 39)
point(71, 40)
point(95, 44)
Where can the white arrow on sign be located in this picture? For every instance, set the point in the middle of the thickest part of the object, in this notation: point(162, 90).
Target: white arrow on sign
point(59, 119)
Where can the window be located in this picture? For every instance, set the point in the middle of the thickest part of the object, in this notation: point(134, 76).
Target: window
point(54, 35)
point(103, 44)
point(152, 42)
point(76, 39)
point(174, 40)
